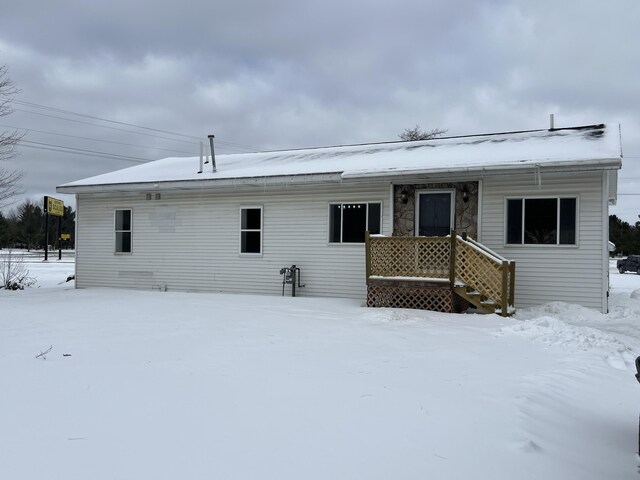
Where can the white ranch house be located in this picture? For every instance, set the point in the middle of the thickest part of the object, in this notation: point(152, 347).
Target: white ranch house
point(538, 199)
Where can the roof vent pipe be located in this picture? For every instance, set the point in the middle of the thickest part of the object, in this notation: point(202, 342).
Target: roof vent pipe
point(551, 121)
point(201, 155)
point(213, 154)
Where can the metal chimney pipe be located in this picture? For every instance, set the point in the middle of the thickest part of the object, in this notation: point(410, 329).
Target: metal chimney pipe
point(551, 121)
point(213, 154)
point(201, 155)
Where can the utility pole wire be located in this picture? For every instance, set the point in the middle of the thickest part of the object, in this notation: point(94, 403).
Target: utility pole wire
point(102, 126)
point(106, 156)
point(28, 143)
point(69, 112)
point(28, 130)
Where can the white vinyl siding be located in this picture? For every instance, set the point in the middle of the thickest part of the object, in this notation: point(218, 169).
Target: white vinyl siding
point(544, 273)
point(190, 240)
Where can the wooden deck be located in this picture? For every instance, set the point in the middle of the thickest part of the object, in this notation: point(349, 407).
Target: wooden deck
point(437, 273)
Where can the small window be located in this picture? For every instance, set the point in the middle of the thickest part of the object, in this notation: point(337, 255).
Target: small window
point(123, 231)
point(349, 221)
point(541, 221)
point(251, 230)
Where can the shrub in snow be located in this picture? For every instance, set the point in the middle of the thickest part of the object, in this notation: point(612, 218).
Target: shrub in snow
point(14, 274)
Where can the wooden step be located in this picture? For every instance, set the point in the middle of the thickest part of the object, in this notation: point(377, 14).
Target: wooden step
point(476, 299)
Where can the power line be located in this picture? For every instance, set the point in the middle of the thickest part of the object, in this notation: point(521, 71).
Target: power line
point(97, 140)
point(65, 149)
point(102, 126)
point(108, 156)
point(246, 147)
point(121, 129)
point(69, 112)
point(97, 155)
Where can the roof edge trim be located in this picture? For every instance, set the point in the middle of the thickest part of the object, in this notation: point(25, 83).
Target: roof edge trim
point(301, 179)
point(575, 165)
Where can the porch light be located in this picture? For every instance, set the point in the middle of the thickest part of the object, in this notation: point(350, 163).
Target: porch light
point(465, 194)
point(404, 196)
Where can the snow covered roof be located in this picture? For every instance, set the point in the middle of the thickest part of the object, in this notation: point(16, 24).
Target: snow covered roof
point(576, 148)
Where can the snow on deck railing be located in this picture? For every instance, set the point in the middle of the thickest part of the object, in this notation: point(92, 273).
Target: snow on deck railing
point(483, 249)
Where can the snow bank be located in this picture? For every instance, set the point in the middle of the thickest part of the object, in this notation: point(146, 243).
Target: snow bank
point(177, 385)
point(614, 336)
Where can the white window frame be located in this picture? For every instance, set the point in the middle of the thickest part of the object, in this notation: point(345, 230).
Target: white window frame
point(116, 231)
point(367, 203)
point(542, 245)
point(452, 211)
point(259, 230)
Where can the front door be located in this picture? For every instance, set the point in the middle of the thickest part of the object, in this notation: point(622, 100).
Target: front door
point(434, 213)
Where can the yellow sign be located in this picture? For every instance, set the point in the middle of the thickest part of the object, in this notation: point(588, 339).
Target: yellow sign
point(65, 236)
point(54, 206)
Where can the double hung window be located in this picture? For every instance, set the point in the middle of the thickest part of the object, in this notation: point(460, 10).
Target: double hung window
point(123, 230)
point(251, 230)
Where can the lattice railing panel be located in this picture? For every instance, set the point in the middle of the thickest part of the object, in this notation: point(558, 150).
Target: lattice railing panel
point(410, 256)
point(478, 270)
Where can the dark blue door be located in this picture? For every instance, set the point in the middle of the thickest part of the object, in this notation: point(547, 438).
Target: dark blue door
point(434, 214)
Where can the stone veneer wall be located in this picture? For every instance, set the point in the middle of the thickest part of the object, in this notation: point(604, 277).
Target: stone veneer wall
point(466, 214)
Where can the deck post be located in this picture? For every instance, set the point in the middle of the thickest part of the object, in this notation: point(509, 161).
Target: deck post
point(504, 301)
point(512, 283)
point(452, 259)
point(367, 250)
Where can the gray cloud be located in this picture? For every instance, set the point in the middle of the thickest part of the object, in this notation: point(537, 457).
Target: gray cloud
point(283, 74)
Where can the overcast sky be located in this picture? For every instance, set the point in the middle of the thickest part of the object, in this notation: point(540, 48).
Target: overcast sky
point(285, 74)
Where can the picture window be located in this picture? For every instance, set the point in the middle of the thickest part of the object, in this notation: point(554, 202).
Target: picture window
point(541, 221)
point(348, 222)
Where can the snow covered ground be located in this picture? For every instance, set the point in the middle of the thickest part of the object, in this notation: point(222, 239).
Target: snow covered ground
point(168, 385)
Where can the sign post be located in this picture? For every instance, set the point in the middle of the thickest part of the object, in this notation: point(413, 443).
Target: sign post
point(55, 207)
point(63, 237)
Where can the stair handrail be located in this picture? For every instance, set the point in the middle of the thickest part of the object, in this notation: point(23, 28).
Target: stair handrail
point(483, 247)
point(505, 295)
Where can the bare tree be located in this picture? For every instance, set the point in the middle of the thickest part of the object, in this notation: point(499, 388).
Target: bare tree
point(411, 134)
point(9, 179)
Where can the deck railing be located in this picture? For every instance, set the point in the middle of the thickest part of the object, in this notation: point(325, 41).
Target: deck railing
point(408, 256)
point(470, 266)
